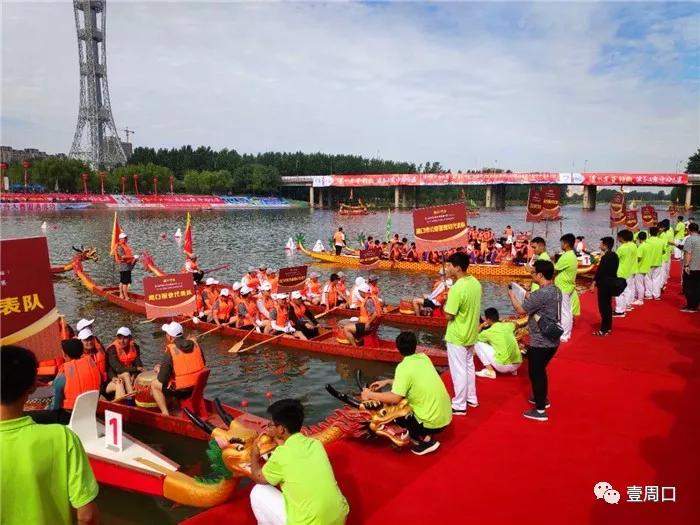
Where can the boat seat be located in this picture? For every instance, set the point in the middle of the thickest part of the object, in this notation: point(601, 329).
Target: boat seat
point(83, 419)
point(195, 402)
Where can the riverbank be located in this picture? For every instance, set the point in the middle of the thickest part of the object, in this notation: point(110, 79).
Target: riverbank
point(623, 411)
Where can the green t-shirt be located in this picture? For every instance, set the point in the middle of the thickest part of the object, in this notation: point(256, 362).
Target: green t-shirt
point(501, 336)
point(680, 230)
point(656, 246)
point(667, 237)
point(44, 471)
point(417, 380)
point(544, 256)
point(311, 495)
point(464, 303)
point(565, 280)
point(644, 256)
point(627, 254)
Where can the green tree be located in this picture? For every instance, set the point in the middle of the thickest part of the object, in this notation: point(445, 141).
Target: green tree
point(145, 172)
point(257, 178)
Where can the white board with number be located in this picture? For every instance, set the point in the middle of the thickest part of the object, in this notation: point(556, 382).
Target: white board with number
point(113, 431)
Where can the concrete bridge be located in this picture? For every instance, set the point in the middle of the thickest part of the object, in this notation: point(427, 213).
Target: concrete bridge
point(326, 189)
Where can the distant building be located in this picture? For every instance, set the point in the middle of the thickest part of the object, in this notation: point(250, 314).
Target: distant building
point(11, 155)
point(128, 149)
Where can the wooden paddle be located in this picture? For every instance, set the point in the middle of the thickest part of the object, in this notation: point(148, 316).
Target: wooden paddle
point(262, 343)
point(125, 396)
point(326, 312)
point(214, 329)
point(237, 346)
point(222, 267)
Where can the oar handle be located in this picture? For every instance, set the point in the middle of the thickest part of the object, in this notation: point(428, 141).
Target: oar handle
point(222, 267)
point(125, 396)
point(326, 312)
point(214, 329)
point(266, 341)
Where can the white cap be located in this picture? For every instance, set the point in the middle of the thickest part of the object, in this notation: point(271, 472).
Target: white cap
point(449, 282)
point(373, 278)
point(296, 294)
point(340, 275)
point(265, 287)
point(173, 329)
point(210, 281)
point(83, 323)
point(237, 286)
point(359, 281)
point(270, 271)
point(224, 292)
point(364, 287)
point(84, 334)
point(314, 275)
point(124, 331)
point(262, 267)
point(245, 290)
point(281, 296)
point(122, 235)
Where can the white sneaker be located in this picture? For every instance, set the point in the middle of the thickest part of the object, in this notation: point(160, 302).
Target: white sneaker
point(638, 303)
point(485, 372)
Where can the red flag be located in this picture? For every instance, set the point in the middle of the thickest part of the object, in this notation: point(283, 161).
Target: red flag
point(187, 246)
point(617, 210)
point(116, 230)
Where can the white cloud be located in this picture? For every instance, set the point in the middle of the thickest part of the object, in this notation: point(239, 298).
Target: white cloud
point(414, 83)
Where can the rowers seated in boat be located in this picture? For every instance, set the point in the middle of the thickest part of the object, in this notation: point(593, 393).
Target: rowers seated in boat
point(396, 251)
point(412, 253)
point(313, 289)
point(207, 297)
point(250, 279)
point(179, 368)
point(374, 289)
point(355, 296)
point(333, 294)
point(192, 267)
point(301, 317)
point(272, 279)
point(262, 274)
point(223, 308)
point(264, 304)
point(279, 317)
point(94, 348)
point(247, 315)
point(123, 362)
point(370, 313)
point(435, 299)
point(434, 257)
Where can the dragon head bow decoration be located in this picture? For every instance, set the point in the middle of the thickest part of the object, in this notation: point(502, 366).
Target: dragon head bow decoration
point(87, 254)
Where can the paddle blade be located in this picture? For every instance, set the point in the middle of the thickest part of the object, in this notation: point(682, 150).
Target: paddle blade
point(236, 347)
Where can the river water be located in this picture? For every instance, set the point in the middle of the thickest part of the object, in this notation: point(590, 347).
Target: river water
point(242, 238)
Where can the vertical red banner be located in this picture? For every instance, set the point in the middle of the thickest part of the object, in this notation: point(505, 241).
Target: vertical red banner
point(533, 212)
point(631, 220)
point(648, 216)
point(28, 311)
point(617, 210)
point(551, 203)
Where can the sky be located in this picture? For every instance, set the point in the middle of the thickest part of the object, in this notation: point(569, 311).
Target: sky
point(521, 86)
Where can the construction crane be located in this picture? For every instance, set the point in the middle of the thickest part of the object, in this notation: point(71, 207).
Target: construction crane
point(128, 132)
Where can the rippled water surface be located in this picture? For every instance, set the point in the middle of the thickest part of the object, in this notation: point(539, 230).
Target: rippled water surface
point(243, 238)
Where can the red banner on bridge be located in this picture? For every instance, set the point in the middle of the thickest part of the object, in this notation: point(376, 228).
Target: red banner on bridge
point(291, 278)
point(28, 311)
point(648, 216)
point(440, 227)
point(634, 179)
point(169, 295)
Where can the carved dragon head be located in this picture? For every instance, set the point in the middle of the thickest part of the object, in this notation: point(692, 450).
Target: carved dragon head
point(87, 254)
point(235, 442)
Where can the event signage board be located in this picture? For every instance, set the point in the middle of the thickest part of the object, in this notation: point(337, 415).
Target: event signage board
point(169, 295)
point(551, 203)
point(648, 215)
point(617, 209)
point(369, 258)
point(533, 211)
point(631, 220)
point(635, 179)
point(28, 314)
point(292, 278)
point(440, 227)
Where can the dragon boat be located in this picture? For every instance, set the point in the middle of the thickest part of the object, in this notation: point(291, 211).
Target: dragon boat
point(374, 348)
point(492, 271)
point(86, 254)
point(349, 209)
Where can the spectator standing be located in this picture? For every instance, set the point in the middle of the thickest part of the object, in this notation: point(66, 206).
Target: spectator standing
point(604, 281)
point(691, 269)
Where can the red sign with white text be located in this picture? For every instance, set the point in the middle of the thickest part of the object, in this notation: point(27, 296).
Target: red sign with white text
point(617, 210)
point(369, 258)
point(291, 278)
point(28, 311)
point(631, 220)
point(440, 227)
point(169, 295)
point(533, 212)
point(634, 179)
point(648, 215)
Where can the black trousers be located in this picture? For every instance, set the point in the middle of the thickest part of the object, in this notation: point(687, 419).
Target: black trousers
point(691, 289)
point(605, 308)
point(338, 249)
point(416, 430)
point(537, 360)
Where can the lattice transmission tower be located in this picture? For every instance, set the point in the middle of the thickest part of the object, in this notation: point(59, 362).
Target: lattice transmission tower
point(96, 140)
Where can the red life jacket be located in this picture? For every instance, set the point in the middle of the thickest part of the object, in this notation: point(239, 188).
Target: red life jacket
point(128, 356)
point(99, 357)
point(251, 315)
point(226, 305)
point(299, 310)
point(313, 287)
point(282, 315)
point(123, 253)
point(364, 315)
point(82, 375)
point(332, 295)
point(186, 366)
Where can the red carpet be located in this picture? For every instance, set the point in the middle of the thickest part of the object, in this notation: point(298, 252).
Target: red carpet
point(624, 410)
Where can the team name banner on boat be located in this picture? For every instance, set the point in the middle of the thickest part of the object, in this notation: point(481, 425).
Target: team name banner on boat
point(440, 227)
point(617, 210)
point(169, 295)
point(28, 315)
point(533, 211)
point(648, 216)
point(369, 258)
point(292, 278)
point(631, 220)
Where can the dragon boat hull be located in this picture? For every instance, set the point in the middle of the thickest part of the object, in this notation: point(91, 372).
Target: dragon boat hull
point(374, 350)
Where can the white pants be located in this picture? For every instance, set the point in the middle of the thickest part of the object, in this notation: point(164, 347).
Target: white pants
point(487, 355)
point(677, 253)
point(667, 270)
point(621, 302)
point(461, 361)
point(657, 276)
point(267, 503)
point(567, 318)
point(639, 286)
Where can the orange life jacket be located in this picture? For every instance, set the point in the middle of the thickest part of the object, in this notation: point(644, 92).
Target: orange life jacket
point(50, 367)
point(123, 253)
point(313, 287)
point(251, 315)
point(364, 315)
point(268, 302)
point(99, 357)
point(186, 366)
point(374, 290)
point(442, 297)
point(299, 310)
point(332, 295)
point(226, 304)
point(128, 356)
point(82, 375)
point(210, 295)
point(274, 283)
point(252, 282)
point(282, 315)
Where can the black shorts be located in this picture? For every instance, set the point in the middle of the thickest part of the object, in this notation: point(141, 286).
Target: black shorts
point(360, 329)
point(429, 304)
point(183, 393)
point(125, 277)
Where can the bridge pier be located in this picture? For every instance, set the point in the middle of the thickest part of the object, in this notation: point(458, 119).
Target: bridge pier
point(320, 198)
point(312, 204)
point(589, 197)
point(397, 195)
point(495, 196)
point(688, 196)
